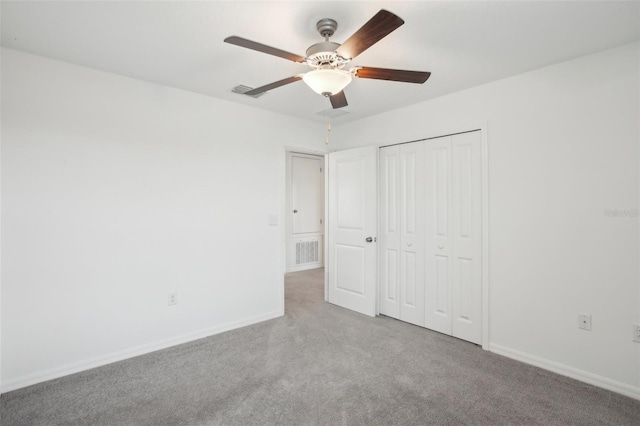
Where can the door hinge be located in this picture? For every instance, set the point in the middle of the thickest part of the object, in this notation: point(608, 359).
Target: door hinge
point(320, 169)
point(320, 221)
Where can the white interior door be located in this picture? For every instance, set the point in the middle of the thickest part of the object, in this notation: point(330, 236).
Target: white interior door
point(453, 237)
point(305, 211)
point(467, 237)
point(412, 284)
point(438, 240)
point(401, 227)
point(352, 226)
point(307, 196)
point(389, 237)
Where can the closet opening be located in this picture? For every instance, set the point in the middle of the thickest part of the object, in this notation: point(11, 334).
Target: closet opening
point(431, 234)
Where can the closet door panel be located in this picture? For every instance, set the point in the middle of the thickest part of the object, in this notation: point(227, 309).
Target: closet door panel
point(412, 231)
point(389, 232)
point(467, 233)
point(438, 235)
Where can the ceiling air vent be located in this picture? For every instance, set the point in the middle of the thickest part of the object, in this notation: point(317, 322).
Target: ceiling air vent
point(333, 113)
point(241, 89)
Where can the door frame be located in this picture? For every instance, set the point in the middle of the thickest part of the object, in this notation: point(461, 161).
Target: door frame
point(288, 198)
point(449, 131)
point(283, 214)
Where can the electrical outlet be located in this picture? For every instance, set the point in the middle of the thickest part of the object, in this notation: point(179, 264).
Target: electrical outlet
point(173, 298)
point(636, 333)
point(584, 321)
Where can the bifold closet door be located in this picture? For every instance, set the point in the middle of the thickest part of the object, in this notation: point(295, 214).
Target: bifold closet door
point(467, 236)
point(412, 281)
point(389, 232)
point(438, 238)
point(453, 236)
point(402, 232)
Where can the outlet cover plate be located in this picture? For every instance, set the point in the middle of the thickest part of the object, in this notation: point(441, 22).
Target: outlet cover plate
point(584, 321)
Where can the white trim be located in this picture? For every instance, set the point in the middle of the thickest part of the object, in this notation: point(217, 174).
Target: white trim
point(378, 232)
point(76, 367)
point(326, 228)
point(485, 236)
point(440, 133)
point(565, 370)
point(305, 151)
point(305, 267)
point(376, 308)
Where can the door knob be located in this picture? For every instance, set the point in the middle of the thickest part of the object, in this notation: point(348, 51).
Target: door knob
point(440, 246)
point(369, 240)
point(295, 211)
point(409, 244)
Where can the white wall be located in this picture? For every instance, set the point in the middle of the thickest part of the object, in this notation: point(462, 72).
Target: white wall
point(563, 147)
point(0, 227)
point(117, 192)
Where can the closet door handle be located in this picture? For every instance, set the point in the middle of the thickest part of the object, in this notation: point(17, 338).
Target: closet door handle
point(440, 246)
point(409, 244)
point(369, 239)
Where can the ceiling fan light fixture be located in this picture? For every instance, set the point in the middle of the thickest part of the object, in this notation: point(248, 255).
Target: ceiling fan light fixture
point(327, 81)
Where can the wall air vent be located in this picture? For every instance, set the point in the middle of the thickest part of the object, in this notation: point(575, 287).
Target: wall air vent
point(241, 89)
point(307, 252)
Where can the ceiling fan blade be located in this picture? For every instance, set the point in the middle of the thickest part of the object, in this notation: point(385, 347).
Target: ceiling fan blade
point(273, 85)
point(339, 100)
point(378, 27)
point(392, 75)
point(243, 42)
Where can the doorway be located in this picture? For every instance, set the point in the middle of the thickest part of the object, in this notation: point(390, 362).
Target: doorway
point(305, 206)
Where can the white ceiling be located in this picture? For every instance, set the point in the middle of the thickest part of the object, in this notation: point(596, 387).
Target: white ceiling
point(180, 44)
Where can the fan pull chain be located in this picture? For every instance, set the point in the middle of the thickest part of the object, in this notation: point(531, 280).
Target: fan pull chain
point(328, 121)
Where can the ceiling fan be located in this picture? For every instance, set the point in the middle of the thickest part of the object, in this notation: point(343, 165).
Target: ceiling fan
point(328, 59)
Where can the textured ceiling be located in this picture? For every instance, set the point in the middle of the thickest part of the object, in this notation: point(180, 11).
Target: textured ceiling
point(180, 44)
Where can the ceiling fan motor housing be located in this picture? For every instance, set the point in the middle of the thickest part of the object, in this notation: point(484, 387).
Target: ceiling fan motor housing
point(323, 54)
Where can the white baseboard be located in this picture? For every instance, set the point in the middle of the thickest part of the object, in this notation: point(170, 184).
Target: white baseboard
point(76, 367)
point(305, 267)
point(565, 370)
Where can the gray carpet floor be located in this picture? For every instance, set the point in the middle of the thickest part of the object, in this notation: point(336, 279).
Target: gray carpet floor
point(318, 365)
